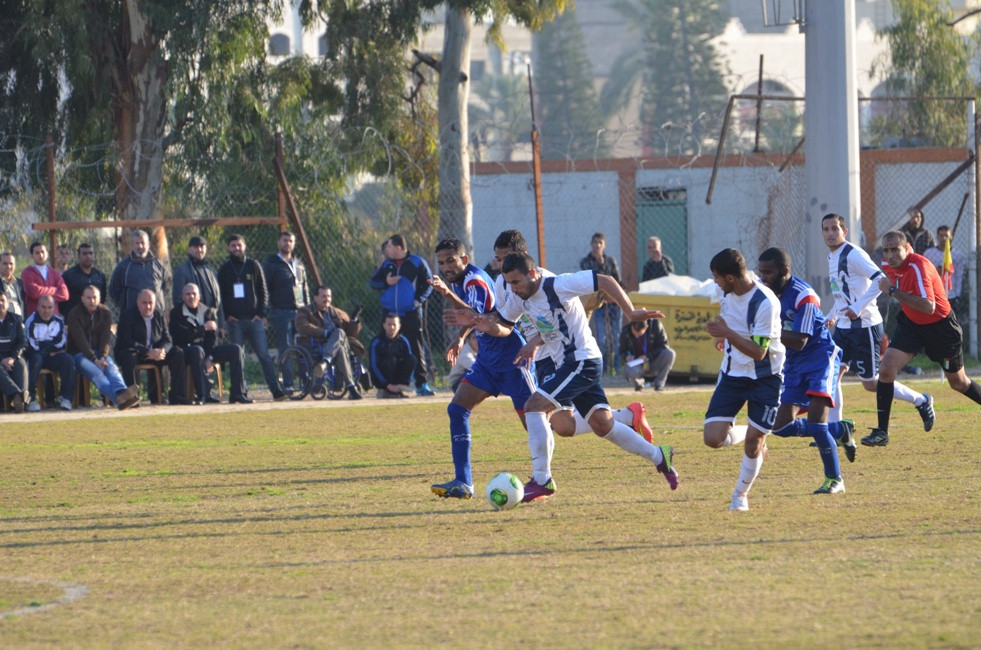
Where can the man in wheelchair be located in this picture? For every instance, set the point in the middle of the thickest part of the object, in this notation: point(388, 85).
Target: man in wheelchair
point(329, 333)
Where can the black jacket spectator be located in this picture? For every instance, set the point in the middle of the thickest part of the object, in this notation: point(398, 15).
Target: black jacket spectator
point(286, 290)
point(203, 275)
point(13, 340)
point(247, 272)
point(76, 280)
point(391, 360)
point(133, 275)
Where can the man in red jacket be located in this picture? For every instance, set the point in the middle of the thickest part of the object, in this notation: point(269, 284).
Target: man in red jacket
point(926, 324)
point(41, 280)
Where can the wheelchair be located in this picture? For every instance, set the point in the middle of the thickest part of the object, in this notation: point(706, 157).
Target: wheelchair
point(317, 378)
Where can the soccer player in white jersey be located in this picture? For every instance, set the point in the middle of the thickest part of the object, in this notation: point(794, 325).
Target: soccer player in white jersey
point(748, 330)
point(858, 323)
point(553, 305)
point(565, 421)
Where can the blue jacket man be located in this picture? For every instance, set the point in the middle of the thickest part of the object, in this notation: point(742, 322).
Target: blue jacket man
point(403, 279)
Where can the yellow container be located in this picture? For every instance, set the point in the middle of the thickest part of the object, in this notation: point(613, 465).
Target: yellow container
point(684, 321)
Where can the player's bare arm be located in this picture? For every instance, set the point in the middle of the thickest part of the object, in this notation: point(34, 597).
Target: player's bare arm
point(794, 340)
point(614, 291)
point(911, 300)
point(755, 349)
point(440, 287)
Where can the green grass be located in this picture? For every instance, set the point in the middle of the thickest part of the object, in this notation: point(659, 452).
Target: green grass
point(315, 527)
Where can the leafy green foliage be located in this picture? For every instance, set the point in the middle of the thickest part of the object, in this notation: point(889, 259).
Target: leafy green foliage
point(927, 58)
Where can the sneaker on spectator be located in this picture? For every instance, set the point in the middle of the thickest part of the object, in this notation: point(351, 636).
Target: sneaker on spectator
point(64, 404)
point(425, 390)
point(17, 403)
point(33, 407)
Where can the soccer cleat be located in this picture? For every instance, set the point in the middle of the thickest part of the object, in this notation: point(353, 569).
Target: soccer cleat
point(847, 439)
point(878, 438)
point(534, 491)
point(739, 502)
point(926, 412)
point(831, 486)
point(666, 468)
point(425, 391)
point(455, 489)
point(640, 424)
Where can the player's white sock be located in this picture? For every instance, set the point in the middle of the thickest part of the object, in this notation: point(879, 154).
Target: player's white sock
point(627, 439)
point(582, 425)
point(625, 416)
point(748, 473)
point(538, 436)
point(834, 413)
point(737, 433)
point(907, 394)
point(551, 447)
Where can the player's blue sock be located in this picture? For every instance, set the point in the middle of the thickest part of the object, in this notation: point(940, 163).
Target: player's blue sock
point(826, 445)
point(793, 429)
point(460, 441)
point(834, 428)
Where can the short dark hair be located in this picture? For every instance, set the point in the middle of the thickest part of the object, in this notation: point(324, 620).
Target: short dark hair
point(235, 237)
point(511, 240)
point(397, 240)
point(35, 244)
point(321, 287)
point(778, 256)
point(728, 261)
point(286, 233)
point(84, 244)
point(598, 235)
point(838, 217)
point(520, 262)
point(451, 244)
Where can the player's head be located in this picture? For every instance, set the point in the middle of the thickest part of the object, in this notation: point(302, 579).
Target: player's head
point(451, 257)
point(521, 274)
point(727, 267)
point(833, 229)
point(509, 241)
point(774, 268)
point(895, 248)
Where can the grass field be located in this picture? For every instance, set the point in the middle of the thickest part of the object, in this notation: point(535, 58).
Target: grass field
point(315, 527)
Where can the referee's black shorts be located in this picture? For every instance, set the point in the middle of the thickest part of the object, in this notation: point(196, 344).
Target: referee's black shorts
point(941, 341)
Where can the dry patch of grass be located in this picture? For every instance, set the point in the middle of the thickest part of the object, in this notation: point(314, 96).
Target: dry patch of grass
point(316, 527)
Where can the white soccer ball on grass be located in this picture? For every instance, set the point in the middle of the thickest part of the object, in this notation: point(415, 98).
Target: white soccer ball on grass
point(505, 491)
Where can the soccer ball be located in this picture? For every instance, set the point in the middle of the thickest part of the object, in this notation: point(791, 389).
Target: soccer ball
point(505, 491)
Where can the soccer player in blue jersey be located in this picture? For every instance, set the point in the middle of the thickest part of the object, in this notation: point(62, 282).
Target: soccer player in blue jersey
point(858, 323)
point(748, 331)
point(811, 368)
point(493, 372)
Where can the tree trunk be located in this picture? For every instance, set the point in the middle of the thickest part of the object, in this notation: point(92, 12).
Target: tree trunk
point(139, 113)
point(455, 208)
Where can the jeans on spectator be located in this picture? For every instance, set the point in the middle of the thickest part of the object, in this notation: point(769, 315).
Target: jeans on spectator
point(283, 329)
point(255, 332)
point(608, 316)
point(62, 363)
point(14, 381)
point(108, 381)
point(412, 330)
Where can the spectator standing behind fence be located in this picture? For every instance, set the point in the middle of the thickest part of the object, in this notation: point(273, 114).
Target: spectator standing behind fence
point(13, 366)
point(47, 338)
point(936, 255)
point(391, 360)
point(286, 279)
point(89, 335)
point(41, 280)
point(139, 271)
point(607, 315)
point(324, 330)
point(918, 235)
point(80, 276)
point(645, 352)
point(199, 272)
point(142, 336)
point(63, 258)
point(242, 285)
point(403, 279)
point(659, 264)
point(12, 287)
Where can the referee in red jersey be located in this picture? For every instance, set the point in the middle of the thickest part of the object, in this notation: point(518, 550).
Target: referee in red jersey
point(926, 324)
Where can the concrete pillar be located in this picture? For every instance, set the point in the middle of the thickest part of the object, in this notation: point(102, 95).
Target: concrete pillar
point(831, 164)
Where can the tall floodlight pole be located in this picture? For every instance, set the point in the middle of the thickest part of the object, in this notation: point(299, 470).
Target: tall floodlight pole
point(831, 165)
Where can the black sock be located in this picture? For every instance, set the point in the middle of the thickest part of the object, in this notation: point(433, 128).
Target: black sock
point(973, 392)
point(884, 393)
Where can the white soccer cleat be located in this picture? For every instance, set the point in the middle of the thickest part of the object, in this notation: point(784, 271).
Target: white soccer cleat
point(739, 502)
